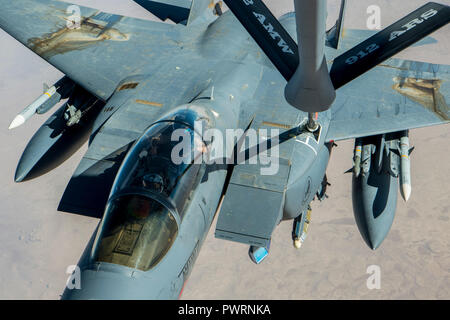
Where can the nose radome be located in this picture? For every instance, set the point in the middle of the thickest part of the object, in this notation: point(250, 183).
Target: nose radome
point(105, 285)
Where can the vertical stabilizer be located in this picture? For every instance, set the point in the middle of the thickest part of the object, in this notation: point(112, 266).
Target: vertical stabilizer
point(334, 35)
point(199, 8)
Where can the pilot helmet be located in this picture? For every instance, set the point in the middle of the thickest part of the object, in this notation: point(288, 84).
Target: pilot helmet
point(154, 182)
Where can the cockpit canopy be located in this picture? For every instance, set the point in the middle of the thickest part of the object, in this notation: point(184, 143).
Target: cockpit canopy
point(138, 233)
point(151, 192)
point(166, 162)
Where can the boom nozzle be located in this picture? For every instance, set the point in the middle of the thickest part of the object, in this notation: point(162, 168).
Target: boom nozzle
point(310, 89)
point(312, 124)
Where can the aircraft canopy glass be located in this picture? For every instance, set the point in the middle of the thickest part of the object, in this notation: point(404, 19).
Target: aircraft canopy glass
point(152, 189)
point(138, 232)
point(166, 169)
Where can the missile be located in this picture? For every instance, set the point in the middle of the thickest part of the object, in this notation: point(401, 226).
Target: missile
point(300, 228)
point(29, 111)
point(50, 103)
point(405, 167)
point(51, 96)
point(60, 136)
point(366, 158)
point(297, 232)
point(357, 157)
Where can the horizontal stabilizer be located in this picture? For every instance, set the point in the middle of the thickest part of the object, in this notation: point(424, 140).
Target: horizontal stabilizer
point(175, 10)
point(388, 42)
point(179, 11)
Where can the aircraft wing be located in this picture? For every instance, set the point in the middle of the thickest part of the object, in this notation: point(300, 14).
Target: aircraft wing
point(394, 96)
point(98, 54)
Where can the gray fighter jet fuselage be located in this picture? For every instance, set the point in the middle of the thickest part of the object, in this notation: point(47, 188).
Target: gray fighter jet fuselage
point(214, 97)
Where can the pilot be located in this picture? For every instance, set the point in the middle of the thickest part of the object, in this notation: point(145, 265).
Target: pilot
point(160, 145)
point(154, 182)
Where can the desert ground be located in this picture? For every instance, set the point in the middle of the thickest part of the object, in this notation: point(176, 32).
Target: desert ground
point(38, 242)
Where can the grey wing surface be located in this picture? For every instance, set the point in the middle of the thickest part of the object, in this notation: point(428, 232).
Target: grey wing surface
point(98, 54)
point(394, 96)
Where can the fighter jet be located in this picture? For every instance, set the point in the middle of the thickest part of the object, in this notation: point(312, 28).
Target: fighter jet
point(157, 99)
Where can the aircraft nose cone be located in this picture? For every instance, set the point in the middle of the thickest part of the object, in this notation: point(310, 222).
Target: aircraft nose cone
point(119, 285)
